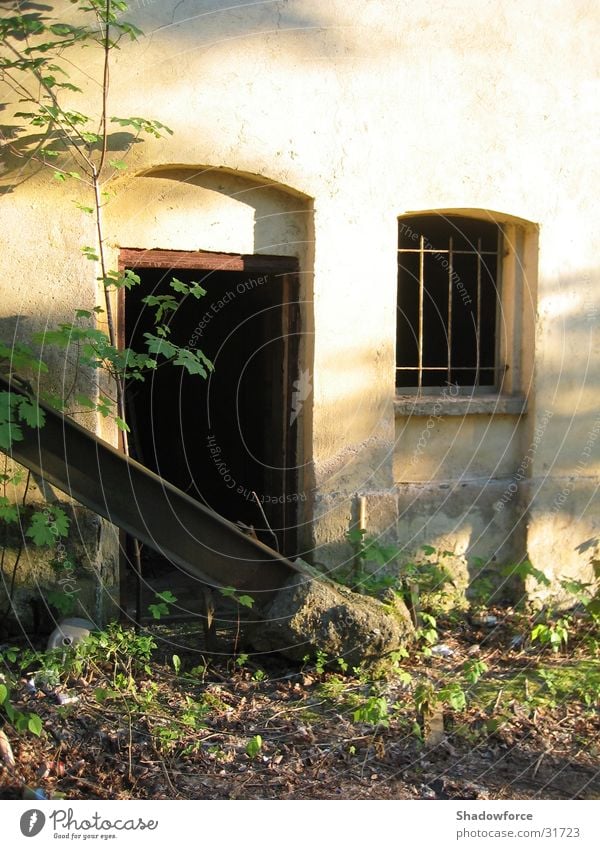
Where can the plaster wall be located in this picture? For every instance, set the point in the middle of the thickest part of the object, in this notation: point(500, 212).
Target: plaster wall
point(331, 120)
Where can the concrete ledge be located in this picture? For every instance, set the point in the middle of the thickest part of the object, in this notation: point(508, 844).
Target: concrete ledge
point(438, 405)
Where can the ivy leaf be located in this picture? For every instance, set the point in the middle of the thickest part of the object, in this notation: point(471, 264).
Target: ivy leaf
point(122, 425)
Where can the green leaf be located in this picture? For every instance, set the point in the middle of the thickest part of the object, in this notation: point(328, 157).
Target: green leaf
point(158, 610)
point(6, 404)
point(122, 425)
point(90, 253)
point(176, 663)
point(197, 290)
point(167, 596)
point(63, 601)
point(3, 693)
point(61, 521)
point(46, 527)
point(178, 286)
point(9, 433)
point(160, 346)
point(118, 164)
point(8, 512)
point(127, 279)
point(254, 746)
point(31, 413)
point(143, 125)
point(245, 600)
point(190, 362)
point(39, 530)
point(455, 696)
point(86, 401)
point(34, 724)
point(101, 694)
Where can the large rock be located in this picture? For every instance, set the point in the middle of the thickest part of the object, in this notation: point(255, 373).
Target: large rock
point(310, 615)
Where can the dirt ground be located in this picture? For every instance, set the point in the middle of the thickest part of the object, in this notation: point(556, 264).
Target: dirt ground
point(232, 726)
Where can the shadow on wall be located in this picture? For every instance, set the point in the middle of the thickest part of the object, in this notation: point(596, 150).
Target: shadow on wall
point(541, 504)
point(276, 208)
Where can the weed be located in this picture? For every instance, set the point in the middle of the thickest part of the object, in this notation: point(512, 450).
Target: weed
point(161, 607)
point(427, 632)
point(321, 660)
point(20, 720)
point(555, 634)
point(254, 746)
point(412, 580)
point(473, 670)
point(231, 592)
point(375, 711)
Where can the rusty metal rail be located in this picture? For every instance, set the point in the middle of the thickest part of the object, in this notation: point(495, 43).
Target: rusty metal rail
point(192, 536)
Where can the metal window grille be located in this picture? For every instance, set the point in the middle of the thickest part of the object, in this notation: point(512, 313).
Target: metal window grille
point(448, 302)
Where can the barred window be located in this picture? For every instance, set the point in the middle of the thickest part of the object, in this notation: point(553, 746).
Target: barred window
point(448, 303)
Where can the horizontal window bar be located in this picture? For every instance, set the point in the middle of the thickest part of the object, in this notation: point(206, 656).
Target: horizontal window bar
point(454, 368)
point(445, 251)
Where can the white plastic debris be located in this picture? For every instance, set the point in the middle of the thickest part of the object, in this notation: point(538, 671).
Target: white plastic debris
point(69, 632)
point(442, 650)
point(64, 699)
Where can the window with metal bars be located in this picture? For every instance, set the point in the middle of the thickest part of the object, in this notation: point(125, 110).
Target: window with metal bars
point(448, 303)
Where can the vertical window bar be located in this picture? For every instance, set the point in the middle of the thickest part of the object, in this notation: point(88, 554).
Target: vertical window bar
point(421, 293)
point(450, 261)
point(500, 368)
point(478, 335)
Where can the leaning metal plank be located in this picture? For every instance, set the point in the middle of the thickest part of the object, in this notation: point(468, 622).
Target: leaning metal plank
point(198, 540)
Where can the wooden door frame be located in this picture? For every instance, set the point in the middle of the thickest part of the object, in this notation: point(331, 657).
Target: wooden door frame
point(285, 267)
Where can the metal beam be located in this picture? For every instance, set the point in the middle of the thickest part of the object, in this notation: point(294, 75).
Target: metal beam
point(193, 537)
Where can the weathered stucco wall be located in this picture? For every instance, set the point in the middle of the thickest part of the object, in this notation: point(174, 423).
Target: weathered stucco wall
point(348, 116)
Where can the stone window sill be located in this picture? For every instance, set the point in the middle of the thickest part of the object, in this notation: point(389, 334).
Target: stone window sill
point(438, 405)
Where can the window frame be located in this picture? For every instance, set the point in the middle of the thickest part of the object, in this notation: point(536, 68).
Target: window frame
point(517, 284)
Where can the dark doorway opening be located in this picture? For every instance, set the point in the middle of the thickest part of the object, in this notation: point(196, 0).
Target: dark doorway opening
point(227, 441)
